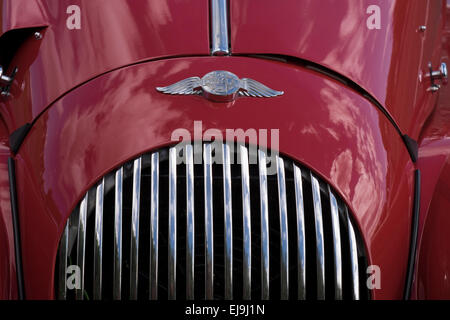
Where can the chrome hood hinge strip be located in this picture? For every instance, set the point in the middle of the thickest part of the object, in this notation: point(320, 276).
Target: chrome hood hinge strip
point(219, 28)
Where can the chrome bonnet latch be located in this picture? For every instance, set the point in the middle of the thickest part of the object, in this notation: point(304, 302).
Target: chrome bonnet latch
point(438, 77)
point(6, 81)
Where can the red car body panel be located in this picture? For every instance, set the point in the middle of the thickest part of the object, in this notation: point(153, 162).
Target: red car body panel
point(111, 36)
point(8, 279)
point(336, 36)
point(432, 274)
point(382, 68)
point(364, 152)
point(433, 262)
point(88, 91)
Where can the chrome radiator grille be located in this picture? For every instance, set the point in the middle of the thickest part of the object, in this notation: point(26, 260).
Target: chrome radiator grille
point(158, 229)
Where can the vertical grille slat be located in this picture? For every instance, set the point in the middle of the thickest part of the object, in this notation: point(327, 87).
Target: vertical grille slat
point(98, 241)
point(209, 240)
point(265, 253)
point(247, 240)
point(228, 222)
point(63, 253)
point(301, 246)
point(353, 258)
point(320, 247)
point(337, 246)
point(81, 247)
point(134, 258)
point(190, 223)
point(172, 281)
point(154, 226)
point(284, 269)
point(287, 204)
point(118, 203)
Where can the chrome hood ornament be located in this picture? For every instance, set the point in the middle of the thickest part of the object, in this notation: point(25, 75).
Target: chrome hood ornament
point(220, 86)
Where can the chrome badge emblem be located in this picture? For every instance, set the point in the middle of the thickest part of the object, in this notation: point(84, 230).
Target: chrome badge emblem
point(220, 86)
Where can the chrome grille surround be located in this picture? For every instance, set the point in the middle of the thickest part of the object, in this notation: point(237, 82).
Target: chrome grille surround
point(159, 229)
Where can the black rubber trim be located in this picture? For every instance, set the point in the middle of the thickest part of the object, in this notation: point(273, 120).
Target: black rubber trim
point(16, 227)
point(413, 240)
point(16, 138)
point(413, 147)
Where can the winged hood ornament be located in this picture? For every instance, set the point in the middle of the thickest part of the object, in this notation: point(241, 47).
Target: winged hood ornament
point(220, 86)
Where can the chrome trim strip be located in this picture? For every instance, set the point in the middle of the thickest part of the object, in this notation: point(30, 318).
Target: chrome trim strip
point(353, 257)
point(265, 257)
point(63, 252)
point(247, 231)
point(301, 246)
point(154, 225)
point(134, 252)
point(337, 246)
point(190, 223)
point(118, 198)
point(172, 254)
point(81, 247)
point(209, 235)
point(320, 251)
point(98, 241)
point(228, 221)
point(284, 238)
point(219, 30)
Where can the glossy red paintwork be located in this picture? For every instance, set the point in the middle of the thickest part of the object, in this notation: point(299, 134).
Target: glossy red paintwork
point(17, 14)
point(433, 261)
point(334, 36)
point(386, 62)
point(119, 33)
point(79, 137)
point(432, 279)
point(8, 280)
